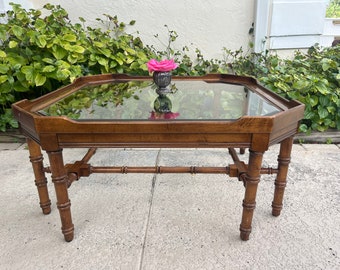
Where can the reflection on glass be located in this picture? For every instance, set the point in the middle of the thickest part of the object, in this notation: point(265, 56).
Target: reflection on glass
point(190, 100)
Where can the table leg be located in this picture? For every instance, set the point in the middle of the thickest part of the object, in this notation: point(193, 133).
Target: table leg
point(252, 178)
point(36, 159)
point(59, 178)
point(280, 181)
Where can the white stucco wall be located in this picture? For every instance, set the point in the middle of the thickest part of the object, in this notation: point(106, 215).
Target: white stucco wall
point(208, 25)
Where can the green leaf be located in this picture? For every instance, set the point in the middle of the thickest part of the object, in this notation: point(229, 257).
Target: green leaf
point(312, 100)
point(130, 51)
point(2, 54)
point(3, 68)
point(49, 6)
point(98, 44)
point(48, 60)
point(12, 44)
point(78, 49)
point(63, 74)
point(41, 41)
point(300, 84)
point(3, 32)
point(104, 62)
point(29, 73)
point(19, 87)
point(39, 79)
point(294, 95)
point(28, 51)
point(105, 51)
point(40, 24)
point(303, 128)
point(17, 31)
point(324, 101)
point(129, 59)
point(48, 69)
point(283, 86)
point(21, 77)
point(335, 98)
point(118, 59)
point(73, 58)
point(74, 48)
point(3, 78)
point(309, 114)
point(323, 113)
point(113, 64)
point(10, 79)
point(322, 87)
point(141, 55)
point(70, 38)
point(322, 128)
point(331, 109)
point(14, 59)
point(325, 66)
point(62, 64)
point(58, 52)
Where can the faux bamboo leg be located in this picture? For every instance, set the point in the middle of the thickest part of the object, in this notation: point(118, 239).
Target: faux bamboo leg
point(280, 181)
point(36, 159)
point(252, 178)
point(59, 179)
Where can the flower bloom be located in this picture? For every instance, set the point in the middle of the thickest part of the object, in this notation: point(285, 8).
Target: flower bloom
point(163, 65)
point(169, 115)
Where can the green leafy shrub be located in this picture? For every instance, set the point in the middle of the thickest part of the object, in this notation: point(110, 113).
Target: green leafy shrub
point(39, 54)
point(333, 9)
point(312, 78)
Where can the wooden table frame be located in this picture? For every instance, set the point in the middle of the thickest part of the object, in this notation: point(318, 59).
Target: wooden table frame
point(53, 134)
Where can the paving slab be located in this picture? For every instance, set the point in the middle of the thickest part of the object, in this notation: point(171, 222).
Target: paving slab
point(109, 213)
point(194, 222)
point(10, 146)
point(174, 221)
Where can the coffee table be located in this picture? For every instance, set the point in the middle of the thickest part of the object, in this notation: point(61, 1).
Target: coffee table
point(119, 111)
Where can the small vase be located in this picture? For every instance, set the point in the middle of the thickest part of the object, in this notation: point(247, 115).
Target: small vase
point(162, 79)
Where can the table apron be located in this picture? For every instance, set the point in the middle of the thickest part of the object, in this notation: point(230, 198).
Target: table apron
point(152, 140)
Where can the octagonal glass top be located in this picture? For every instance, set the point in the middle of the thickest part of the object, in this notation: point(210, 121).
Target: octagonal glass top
point(138, 100)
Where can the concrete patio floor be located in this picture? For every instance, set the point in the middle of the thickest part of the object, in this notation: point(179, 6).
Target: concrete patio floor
point(173, 221)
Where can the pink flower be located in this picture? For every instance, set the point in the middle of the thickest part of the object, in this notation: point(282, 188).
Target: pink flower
point(163, 65)
point(169, 115)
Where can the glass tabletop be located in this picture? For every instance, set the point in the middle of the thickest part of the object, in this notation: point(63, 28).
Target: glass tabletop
point(138, 100)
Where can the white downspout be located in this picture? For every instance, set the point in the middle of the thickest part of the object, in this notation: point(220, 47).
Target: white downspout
point(262, 24)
